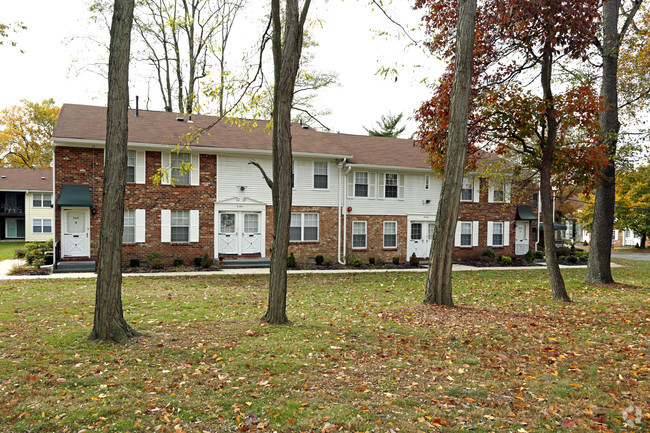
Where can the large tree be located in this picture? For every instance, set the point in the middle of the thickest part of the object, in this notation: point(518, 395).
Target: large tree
point(600, 251)
point(545, 128)
point(26, 134)
point(633, 202)
point(109, 323)
point(439, 286)
point(287, 46)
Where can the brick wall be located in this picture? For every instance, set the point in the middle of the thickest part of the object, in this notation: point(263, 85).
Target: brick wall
point(84, 166)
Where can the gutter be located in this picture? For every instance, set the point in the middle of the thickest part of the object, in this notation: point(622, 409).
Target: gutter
point(343, 178)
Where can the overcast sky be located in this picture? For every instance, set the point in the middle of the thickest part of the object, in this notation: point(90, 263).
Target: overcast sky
point(51, 59)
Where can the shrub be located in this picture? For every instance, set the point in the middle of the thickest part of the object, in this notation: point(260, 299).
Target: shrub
point(156, 263)
point(327, 263)
point(572, 259)
point(529, 257)
point(379, 261)
point(414, 261)
point(371, 260)
point(319, 259)
point(506, 260)
point(488, 256)
point(178, 262)
point(206, 261)
point(562, 258)
point(18, 269)
point(19, 253)
point(539, 254)
point(134, 263)
point(582, 255)
point(154, 255)
point(291, 261)
point(38, 254)
point(357, 263)
point(396, 260)
point(197, 261)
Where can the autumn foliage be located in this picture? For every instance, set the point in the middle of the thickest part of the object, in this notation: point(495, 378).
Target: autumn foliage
point(509, 113)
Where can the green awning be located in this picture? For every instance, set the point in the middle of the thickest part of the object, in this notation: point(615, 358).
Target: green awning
point(525, 213)
point(75, 196)
point(555, 226)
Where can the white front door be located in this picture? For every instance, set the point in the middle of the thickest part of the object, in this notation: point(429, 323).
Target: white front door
point(228, 233)
point(76, 232)
point(420, 239)
point(251, 240)
point(522, 244)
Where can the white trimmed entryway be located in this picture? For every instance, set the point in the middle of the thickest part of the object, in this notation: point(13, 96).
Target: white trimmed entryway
point(240, 227)
point(75, 230)
point(522, 242)
point(420, 235)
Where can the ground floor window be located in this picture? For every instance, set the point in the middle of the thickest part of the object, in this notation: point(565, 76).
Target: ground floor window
point(390, 234)
point(41, 225)
point(128, 236)
point(497, 234)
point(359, 236)
point(304, 227)
point(180, 226)
point(466, 234)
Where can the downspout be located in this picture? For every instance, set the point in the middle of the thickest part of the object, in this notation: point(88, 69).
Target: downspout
point(539, 208)
point(343, 208)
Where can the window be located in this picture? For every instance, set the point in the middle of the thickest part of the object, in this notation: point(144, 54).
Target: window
point(42, 200)
point(497, 234)
point(465, 234)
point(180, 226)
point(304, 227)
point(293, 174)
point(182, 177)
point(467, 189)
point(130, 166)
point(361, 184)
point(128, 237)
point(41, 225)
point(320, 175)
point(498, 192)
point(390, 234)
point(391, 185)
point(416, 231)
point(427, 181)
point(358, 234)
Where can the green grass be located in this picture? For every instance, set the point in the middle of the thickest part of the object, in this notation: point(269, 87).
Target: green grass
point(363, 354)
point(8, 249)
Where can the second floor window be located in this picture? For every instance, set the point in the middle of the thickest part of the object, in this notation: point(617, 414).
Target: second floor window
point(361, 184)
point(42, 200)
point(320, 175)
point(499, 192)
point(130, 166)
point(182, 177)
point(391, 185)
point(467, 190)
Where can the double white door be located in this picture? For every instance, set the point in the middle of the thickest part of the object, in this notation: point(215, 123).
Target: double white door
point(239, 233)
point(420, 238)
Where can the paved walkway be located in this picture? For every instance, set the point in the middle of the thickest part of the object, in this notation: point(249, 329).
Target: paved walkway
point(7, 264)
point(632, 256)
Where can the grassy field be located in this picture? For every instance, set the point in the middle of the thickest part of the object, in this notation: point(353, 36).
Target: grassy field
point(363, 354)
point(7, 249)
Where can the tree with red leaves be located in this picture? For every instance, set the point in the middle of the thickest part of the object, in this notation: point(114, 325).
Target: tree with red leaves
point(550, 127)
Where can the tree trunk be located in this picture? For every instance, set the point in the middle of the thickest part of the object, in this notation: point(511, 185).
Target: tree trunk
point(286, 58)
point(548, 150)
point(643, 241)
point(109, 323)
point(600, 251)
point(439, 287)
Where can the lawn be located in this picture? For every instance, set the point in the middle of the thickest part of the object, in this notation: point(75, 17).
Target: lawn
point(363, 354)
point(8, 249)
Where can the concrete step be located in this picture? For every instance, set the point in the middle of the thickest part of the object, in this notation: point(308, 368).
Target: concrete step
point(258, 262)
point(80, 266)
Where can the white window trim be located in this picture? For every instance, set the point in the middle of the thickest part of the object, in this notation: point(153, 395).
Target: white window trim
point(134, 227)
point(365, 235)
point(400, 186)
point(313, 173)
point(506, 192)
point(140, 167)
point(471, 180)
point(354, 184)
point(42, 225)
point(505, 236)
point(166, 166)
point(384, 235)
point(41, 195)
point(140, 225)
point(302, 227)
point(457, 237)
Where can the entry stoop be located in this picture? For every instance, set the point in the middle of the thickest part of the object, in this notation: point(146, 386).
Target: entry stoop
point(241, 263)
point(75, 266)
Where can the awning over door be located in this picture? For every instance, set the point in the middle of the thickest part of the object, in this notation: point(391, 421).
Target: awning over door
point(555, 226)
point(75, 196)
point(525, 213)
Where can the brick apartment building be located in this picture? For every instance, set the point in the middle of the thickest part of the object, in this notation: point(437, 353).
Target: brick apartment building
point(361, 195)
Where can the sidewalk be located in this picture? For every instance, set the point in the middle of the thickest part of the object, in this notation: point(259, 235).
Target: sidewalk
point(6, 265)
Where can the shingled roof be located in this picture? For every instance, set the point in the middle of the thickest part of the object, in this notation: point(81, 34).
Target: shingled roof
point(25, 179)
point(88, 122)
